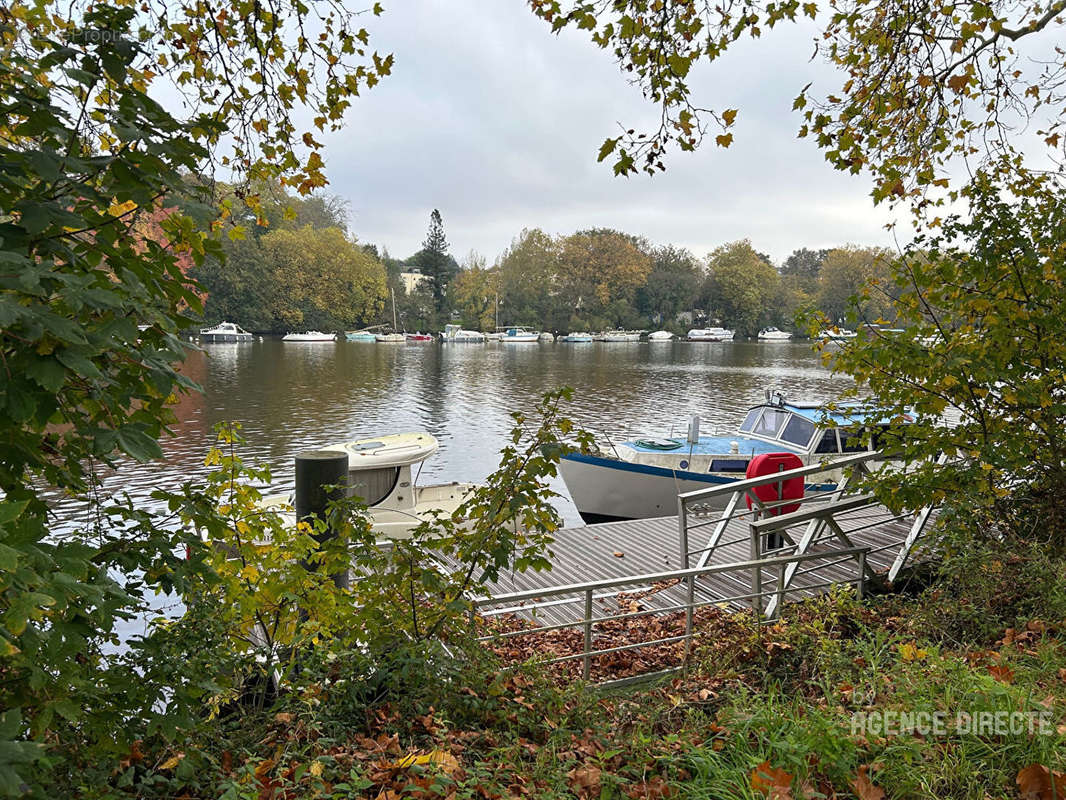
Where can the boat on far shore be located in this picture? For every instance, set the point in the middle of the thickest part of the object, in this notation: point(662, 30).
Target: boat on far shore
point(576, 338)
point(660, 336)
point(224, 332)
point(519, 335)
point(309, 336)
point(456, 334)
point(710, 335)
point(389, 338)
point(418, 337)
point(773, 334)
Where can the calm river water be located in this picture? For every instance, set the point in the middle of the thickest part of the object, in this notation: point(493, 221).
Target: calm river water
point(294, 396)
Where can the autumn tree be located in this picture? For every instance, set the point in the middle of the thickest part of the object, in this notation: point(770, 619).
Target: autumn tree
point(672, 284)
point(859, 274)
point(321, 280)
point(474, 293)
point(88, 150)
point(530, 287)
point(740, 287)
point(601, 268)
point(923, 86)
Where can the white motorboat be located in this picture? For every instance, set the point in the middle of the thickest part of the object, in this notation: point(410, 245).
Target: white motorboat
point(380, 475)
point(517, 335)
point(576, 338)
point(837, 334)
point(642, 477)
point(660, 336)
point(710, 335)
point(545, 336)
point(390, 338)
point(225, 332)
point(772, 334)
point(309, 336)
point(618, 336)
point(455, 334)
point(493, 337)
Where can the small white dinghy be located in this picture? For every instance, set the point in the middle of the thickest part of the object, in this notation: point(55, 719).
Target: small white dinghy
point(379, 473)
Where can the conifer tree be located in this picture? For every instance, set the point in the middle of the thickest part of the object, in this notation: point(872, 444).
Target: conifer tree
point(434, 260)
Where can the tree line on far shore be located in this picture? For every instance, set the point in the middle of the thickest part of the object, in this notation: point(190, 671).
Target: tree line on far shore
point(294, 265)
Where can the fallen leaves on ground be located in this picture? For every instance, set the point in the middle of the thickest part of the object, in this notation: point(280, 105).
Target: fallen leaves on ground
point(864, 786)
point(775, 783)
point(1037, 782)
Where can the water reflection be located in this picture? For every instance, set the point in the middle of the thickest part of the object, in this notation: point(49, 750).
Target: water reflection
point(289, 397)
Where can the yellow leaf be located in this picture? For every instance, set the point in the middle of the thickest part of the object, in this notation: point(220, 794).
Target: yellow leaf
point(728, 116)
point(118, 209)
point(724, 140)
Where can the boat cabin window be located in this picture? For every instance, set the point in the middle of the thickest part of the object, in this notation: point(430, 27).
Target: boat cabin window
point(828, 443)
point(798, 431)
point(851, 442)
point(749, 421)
point(771, 422)
point(372, 485)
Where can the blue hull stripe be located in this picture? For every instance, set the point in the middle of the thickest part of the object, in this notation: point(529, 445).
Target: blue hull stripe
point(662, 472)
point(644, 469)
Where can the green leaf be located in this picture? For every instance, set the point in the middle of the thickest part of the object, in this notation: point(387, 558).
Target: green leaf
point(47, 372)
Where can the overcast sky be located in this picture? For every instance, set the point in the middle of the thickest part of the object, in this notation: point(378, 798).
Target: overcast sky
point(496, 122)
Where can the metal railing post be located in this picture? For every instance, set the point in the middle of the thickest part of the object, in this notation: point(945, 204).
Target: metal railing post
point(690, 601)
point(586, 660)
point(860, 584)
point(756, 571)
point(682, 526)
point(780, 592)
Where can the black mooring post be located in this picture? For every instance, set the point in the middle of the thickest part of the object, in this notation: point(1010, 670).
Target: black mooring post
point(316, 472)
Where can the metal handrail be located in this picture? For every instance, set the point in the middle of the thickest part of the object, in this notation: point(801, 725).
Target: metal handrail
point(586, 591)
point(649, 578)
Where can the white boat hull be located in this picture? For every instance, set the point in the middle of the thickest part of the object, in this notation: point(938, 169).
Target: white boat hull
point(606, 489)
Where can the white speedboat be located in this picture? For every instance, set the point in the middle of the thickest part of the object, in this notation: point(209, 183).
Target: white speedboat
point(618, 336)
point(545, 336)
point(642, 477)
point(710, 335)
point(576, 338)
point(772, 334)
point(519, 335)
point(837, 334)
point(309, 336)
point(455, 334)
point(390, 338)
point(225, 332)
point(660, 336)
point(380, 474)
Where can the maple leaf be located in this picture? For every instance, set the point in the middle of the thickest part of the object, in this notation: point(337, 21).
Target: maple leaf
point(864, 787)
point(776, 784)
point(1001, 672)
point(1037, 782)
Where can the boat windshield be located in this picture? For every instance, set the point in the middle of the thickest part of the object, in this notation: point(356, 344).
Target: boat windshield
point(749, 421)
point(798, 431)
point(771, 422)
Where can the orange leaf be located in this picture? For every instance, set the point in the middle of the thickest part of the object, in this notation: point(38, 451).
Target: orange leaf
point(724, 140)
point(654, 789)
point(1001, 672)
point(585, 780)
point(618, 554)
point(864, 787)
point(957, 83)
point(1037, 782)
point(774, 783)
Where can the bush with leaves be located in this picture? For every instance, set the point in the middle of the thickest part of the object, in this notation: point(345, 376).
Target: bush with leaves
point(977, 372)
point(88, 156)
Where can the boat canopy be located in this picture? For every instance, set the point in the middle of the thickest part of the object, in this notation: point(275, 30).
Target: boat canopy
point(811, 427)
point(393, 450)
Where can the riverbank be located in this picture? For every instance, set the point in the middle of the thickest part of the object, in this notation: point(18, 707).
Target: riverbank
point(953, 690)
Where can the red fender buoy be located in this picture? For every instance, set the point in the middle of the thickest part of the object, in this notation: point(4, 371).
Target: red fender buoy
point(791, 488)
